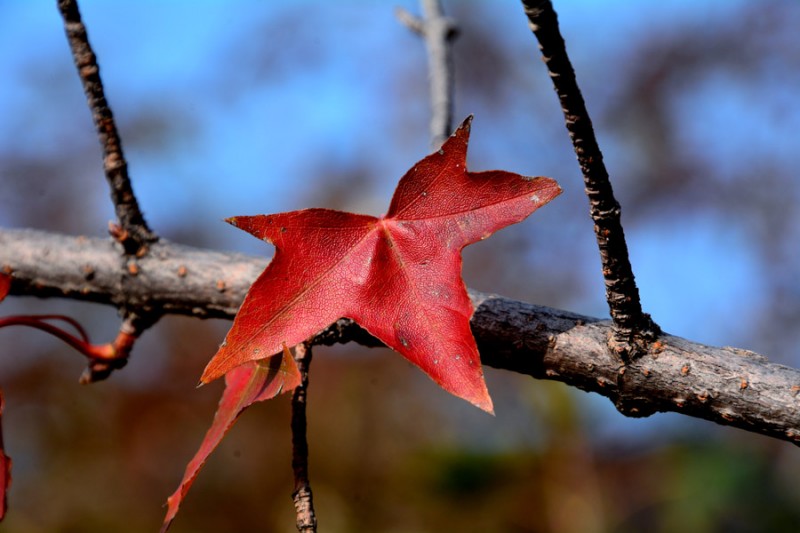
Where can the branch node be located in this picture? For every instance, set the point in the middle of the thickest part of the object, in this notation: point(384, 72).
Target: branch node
point(629, 403)
point(99, 369)
point(633, 330)
point(134, 235)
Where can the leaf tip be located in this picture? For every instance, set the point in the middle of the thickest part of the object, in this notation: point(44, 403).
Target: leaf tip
point(209, 374)
point(165, 526)
point(465, 126)
point(484, 403)
point(213, 371)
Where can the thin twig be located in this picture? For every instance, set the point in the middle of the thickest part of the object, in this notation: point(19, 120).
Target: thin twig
point(303, 499)
point(134, 234)
point(131, 231)
point(632, 328)
point(439, 33)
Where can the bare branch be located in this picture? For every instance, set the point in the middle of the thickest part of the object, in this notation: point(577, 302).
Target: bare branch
point(725, 385)
point(302, 496)
point(133, 231)
point(632, 326)
point(439, 32)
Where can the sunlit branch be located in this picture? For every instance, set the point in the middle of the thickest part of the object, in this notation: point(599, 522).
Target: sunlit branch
point(725, 385)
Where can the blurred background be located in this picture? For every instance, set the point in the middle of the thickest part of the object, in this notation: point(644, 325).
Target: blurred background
point(248, 107)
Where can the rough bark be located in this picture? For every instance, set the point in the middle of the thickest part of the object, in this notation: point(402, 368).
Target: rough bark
point(633, 329)
point(133, 231)
point(725, 385)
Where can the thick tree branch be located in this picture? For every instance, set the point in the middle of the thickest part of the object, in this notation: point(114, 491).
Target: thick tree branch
point(725, 385)
point(439, 32)
point(632, 327)
point(133, 231)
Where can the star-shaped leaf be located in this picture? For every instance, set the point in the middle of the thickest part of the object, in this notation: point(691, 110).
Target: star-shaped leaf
point(252, 382)
point(398, 276)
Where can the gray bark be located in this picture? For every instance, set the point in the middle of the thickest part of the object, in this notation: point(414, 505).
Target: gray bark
point(725, 385)
point(439, 32)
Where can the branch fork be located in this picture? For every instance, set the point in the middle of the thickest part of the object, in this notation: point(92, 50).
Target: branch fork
point(633, 329)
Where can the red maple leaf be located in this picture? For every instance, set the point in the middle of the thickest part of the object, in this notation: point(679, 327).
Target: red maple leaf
point(5, 285)
point(253, 382)
point(398, 276)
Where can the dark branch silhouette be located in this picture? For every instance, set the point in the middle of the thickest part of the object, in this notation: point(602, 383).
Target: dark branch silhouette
point(302, 495)
point(632, 328)
point(133, 232)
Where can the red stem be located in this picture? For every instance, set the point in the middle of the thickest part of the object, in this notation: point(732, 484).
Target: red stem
point(69, 320)
point(92, 351)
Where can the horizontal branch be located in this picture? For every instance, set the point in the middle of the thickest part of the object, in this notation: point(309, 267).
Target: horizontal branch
point(725, 385)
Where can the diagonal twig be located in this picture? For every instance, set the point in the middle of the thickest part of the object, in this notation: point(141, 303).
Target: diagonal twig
point(633, 329)
point(439, 33)
point(302, 496)
point(133, 232)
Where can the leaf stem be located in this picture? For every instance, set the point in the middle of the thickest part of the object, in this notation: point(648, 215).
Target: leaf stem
point(92, 351)
point(103, 358)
